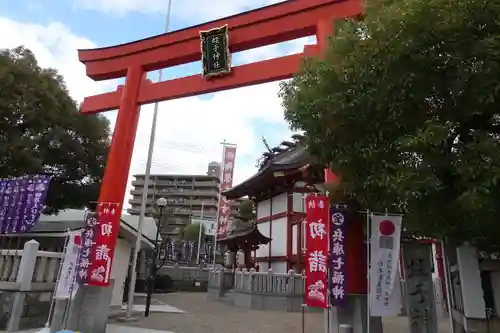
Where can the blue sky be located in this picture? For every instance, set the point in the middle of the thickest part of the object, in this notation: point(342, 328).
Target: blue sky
point(190, 129)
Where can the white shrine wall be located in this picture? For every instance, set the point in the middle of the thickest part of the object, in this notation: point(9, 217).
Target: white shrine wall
point(280, 237)
point(263, 209)
point(279, 266)
point(276, 229)
point(263, 250)
point(264, 266)
point(280, 203)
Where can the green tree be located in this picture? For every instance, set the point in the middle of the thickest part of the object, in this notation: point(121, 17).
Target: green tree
point(405, 107)
point(246, 211)
point(191, 232)
point(42, 131)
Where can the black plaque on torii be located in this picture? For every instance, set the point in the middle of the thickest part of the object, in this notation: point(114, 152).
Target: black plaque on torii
point(215, 55)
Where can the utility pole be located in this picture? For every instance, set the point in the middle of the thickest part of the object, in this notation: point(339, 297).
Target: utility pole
point(199, 233)
point(221, 176)
point(133, 275)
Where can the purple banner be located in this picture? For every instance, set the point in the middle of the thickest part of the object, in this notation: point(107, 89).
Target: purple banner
point(8, 199)
point(3, 188)
point(37, 189)
point(337, 257)
point(22, 200)
point(88, 241)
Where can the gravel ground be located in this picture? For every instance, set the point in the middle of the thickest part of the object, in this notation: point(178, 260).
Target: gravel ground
point(203, 316)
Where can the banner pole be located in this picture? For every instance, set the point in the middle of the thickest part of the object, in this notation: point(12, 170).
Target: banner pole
point(221, 177)
point(327, 309)
point(447, 281)
point(368, 242)
point(66, 305)
point(303, 249)
point(72, 286)
point(46, 328)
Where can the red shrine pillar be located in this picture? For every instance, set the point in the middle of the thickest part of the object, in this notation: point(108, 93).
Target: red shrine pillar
point(115, 177)
point(440, 267)
point(114, 182)
point(356, 256)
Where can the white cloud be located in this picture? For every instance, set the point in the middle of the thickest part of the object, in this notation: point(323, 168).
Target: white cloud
point(190, 129)
point(205, 10)
point(54, 46)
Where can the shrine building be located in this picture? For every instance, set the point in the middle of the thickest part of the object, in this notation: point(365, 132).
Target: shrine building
point(287, 173)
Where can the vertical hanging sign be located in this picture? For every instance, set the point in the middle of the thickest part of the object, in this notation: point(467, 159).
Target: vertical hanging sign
point(106, 233)
point(66, 286)
point(337, 256)
point(317, 232)
point(420, 297)
point(215, 54)
point(385, 294)
point(86, 246)
point(227, 172)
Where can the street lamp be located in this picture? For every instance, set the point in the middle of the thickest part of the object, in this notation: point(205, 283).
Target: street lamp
point(200, 232)
point(156, 263)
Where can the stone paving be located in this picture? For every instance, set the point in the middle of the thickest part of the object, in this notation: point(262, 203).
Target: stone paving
point(202, 316)
point(110, 329)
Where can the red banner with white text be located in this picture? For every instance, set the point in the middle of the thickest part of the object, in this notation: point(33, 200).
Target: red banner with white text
point(226, 182)
point(317, 233)
point(106, 233)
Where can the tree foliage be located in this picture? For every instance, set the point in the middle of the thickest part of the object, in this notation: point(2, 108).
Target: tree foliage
point(191, 232)
point(42, 131)
point(405, 107)
point(246, 210)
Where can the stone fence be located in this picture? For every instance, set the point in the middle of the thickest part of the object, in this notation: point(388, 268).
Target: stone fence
point(257, 290)
point(277, 291)
point(27, 281)
point(186, 278)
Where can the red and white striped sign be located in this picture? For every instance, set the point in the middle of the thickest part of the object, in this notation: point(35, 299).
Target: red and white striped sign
point(227, 172)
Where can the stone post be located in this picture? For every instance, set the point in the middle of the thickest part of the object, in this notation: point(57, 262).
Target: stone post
point(269, 284)
point(294, 304)
point(251, 282)
point(88, 311)
point(23, 279)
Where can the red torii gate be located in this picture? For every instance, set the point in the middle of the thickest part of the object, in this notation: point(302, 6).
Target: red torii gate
point(269, 25)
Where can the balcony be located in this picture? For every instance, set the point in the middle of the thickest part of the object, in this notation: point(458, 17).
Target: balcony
point(207, 204)
point(151, 192)
point(172, 191)
point(176, 191)
point(212, 184)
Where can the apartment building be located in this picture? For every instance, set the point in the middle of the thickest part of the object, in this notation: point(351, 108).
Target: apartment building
point(188, 196)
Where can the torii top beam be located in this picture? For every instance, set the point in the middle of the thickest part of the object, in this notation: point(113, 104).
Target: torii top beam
point(265, 26)
point(295, 19)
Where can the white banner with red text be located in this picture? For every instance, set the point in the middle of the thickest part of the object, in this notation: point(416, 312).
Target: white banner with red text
point(385, 288)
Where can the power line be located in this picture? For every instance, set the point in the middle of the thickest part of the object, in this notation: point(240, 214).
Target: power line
point(170, 167)
point(187, 146)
